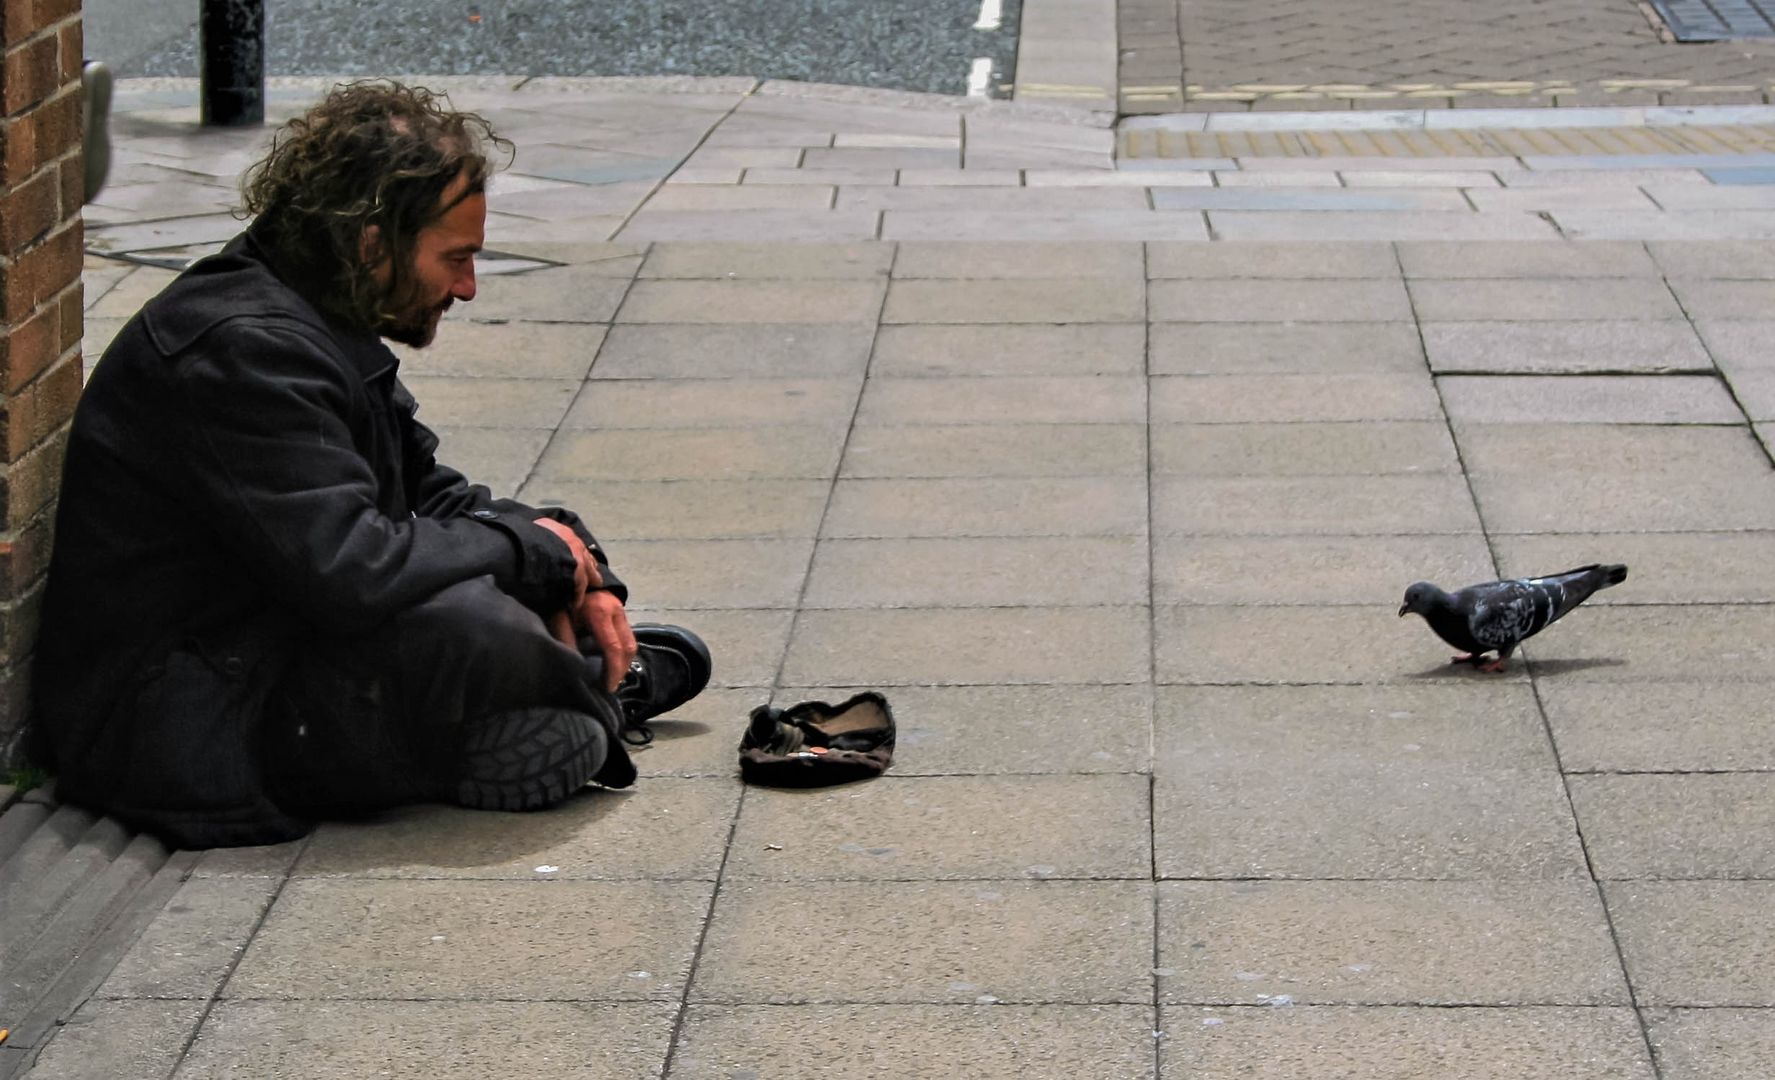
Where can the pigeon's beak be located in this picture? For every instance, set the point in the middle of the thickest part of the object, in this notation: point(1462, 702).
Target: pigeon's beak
point(1404, 610)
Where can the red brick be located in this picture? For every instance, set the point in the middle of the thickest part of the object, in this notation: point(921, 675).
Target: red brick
point(17, 21)
point(73, 185)
point(73, 315)
point(32, 72)
point(30, 210)
point(58, 123)
point(19, 620)
point(40, 272)
point(72, 42)
point(27, 350)
point(38, 411)
point(18, 157)
point(50, 12)
point(30, 484)
point(25, 560)
point(15, 698)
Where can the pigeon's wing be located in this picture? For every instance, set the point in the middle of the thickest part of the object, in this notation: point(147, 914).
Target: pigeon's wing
point(1505, 612)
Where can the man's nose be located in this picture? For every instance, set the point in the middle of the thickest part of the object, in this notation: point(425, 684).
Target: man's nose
point(464, 289)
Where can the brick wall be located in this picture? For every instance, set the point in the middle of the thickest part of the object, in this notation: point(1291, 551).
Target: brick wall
point(41, 187)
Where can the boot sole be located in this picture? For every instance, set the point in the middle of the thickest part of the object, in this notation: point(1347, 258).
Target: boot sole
point(530, 760)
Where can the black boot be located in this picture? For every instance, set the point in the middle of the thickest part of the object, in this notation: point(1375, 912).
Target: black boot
point(528, 759)
point(671, 667)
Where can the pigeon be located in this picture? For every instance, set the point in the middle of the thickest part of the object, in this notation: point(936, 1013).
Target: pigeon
point(1499, 615)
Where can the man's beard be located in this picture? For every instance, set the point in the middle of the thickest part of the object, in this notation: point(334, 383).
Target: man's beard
point(417, 326)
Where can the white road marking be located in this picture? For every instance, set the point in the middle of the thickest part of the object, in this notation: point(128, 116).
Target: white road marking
point(991, 13)
point(980, 78)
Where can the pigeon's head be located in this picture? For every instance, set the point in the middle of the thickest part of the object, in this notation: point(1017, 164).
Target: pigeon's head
point(1419, 597)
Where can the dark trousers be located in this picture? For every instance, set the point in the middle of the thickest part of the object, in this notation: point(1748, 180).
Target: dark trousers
point(378, 721)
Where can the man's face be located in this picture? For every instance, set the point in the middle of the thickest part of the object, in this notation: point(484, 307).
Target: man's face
point(443, 267)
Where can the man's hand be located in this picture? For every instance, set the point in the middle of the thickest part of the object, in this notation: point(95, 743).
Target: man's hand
point(593, 611)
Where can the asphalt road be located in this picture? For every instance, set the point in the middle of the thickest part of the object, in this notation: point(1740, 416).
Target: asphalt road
point(929, 45)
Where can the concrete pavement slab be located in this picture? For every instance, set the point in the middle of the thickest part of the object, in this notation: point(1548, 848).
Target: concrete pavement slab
point(1312, 1042)
point(691, 509)
point(1296, 347)
point(428, 940)
point(1665, 224)
point(192, 945)
point(1433, 178)
point(1290, 645)
point(1574, 502)
point(832, 177)
point(1526, 259)
point(1668, 568)
point(710, 197)
point(963, 177)
point(997, 451)
point(1311, 199)
point(1693, 1044)
point(701, 738)
point(1237, 178)
point(943, 646)
point(1111, 1042)
point(1059, 300)
point(1336, 782)
point(1715, 259)
point(264, 860)
point(493, 403)
point(1386, 943)
point(1256, 399)
point(980, 260)
point(919, 350)
point(1013, 506)
point(1354, 225)
point(1700, 197)
point(1530, 301)
point(1587, 399)
point(1306, 505)
point(1601, 178)
point(673, 829)
point(325, 1040)
point(978, 572)
point(1729, 643)
point(501, 458)
point(1696, 943)
point(752, 226)
point(1726, 299)
point(717, 573)
point(1689, 826)
point(515, 350)
point(1536, 449)
point(1679, 725)
point(1256, 300)
point(998, 200)
point(135, 288)
point(1012, 730)
point(801, 262)
point(1303, 449)
point(1119, 226)
point(733, 351)
point(813, 404)
point(1564, 347)
point(751, 453)
point(947, 828)
point(1308, 570)
point(930, 942)
point(130, 1038)
point(1541, 200)
point(739, 301)
point(1005, 399)
point(1271, 261)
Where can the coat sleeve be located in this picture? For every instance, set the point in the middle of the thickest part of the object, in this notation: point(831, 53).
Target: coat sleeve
point(277, 473)
point(439, 491)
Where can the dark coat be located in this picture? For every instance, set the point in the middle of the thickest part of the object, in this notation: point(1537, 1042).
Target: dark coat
point(243, 472)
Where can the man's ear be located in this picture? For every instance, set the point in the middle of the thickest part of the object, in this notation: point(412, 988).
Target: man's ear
point(369, 245)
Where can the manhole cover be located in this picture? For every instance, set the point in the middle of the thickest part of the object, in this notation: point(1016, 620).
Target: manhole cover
point(1718, 20)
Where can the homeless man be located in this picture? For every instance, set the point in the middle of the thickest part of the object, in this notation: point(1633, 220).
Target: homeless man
point(269, 603)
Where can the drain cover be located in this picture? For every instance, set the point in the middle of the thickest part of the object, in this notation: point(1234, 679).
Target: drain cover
point(1718, 20)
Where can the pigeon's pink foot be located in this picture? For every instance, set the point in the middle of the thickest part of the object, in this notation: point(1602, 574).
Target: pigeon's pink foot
point(1464, 658)
point(1495, 667)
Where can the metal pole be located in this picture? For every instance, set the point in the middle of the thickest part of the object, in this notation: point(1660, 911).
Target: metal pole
point(232, 37)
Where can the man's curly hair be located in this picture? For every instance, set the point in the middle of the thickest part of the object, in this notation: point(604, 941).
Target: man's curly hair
point(373, 153)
